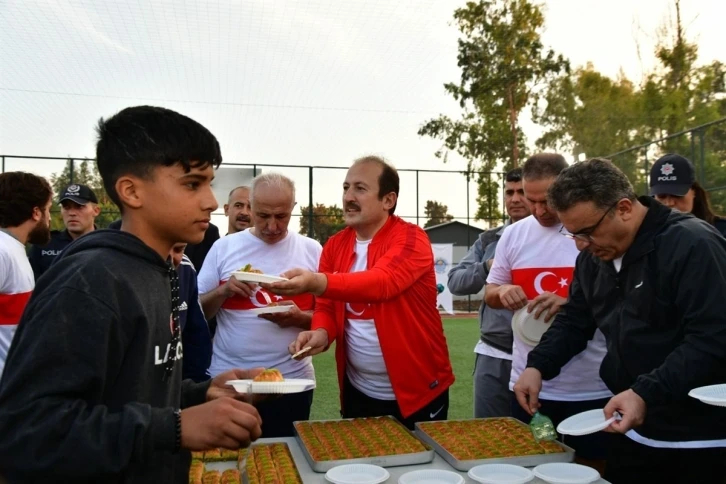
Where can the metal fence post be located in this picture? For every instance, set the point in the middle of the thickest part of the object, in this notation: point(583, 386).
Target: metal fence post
point(703, 155)
point(3, 165)
point(647, 171)
point(254, 170)
point(468, 229)
point(417, 201)
point(693, 146)
point(71, 170)
point(311, 219)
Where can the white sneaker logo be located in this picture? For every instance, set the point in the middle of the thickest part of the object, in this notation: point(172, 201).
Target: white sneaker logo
point(641, 283)
point(434, 414)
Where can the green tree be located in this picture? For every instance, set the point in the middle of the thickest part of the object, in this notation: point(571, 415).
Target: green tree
point(436, 213)
point(586, 112)
point(680, 95)
point(327, 221)
point(83, 173)
point(503, 63)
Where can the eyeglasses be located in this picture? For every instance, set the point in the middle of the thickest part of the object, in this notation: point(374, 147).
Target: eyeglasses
point(585, 234)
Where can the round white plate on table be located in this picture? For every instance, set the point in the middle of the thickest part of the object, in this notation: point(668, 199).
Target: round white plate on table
point(528, 328)
point(272, 387)
point(271, 309)
point(586, 423)
point(562, 473)
point(357, 474)
point(255, 277)
point(431, 476)
point(711, 395)
point(500, 474)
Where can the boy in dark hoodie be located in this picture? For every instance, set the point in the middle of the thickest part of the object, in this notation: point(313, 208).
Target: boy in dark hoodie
point(92, 388)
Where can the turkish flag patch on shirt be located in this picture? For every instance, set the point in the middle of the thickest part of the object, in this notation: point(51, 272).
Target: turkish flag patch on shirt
point(537, 280)
point(261, 298)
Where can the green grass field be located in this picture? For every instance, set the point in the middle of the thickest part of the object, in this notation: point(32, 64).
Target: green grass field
point(461, 336)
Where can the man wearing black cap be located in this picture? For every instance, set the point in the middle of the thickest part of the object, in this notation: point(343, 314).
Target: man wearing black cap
point(79, 209)
point(673, 183)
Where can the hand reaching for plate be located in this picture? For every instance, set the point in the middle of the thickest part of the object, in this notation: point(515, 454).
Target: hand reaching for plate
point(299, 281)
point(233, 287)
point(546, 301)
point(512, 297)
point(292, 318)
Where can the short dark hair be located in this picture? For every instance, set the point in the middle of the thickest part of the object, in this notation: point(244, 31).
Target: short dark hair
point(141, 138)
point(596, 180)
point(514, 175)
point(388, 181)
point(20, 194)
point(542, 166)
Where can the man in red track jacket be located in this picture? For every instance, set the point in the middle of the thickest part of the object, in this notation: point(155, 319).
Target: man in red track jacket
point(377, 300)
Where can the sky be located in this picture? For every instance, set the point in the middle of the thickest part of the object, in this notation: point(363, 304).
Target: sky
point(306, 82)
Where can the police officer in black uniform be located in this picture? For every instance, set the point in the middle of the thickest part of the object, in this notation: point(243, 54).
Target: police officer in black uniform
point(79, 209)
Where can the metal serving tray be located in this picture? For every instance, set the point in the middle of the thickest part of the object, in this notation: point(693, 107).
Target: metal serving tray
point(222, 466)
point(383, 460)
point(567, 454)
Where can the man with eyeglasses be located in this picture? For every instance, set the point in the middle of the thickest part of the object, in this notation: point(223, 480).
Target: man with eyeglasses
point(653, 281)
point(533, 269)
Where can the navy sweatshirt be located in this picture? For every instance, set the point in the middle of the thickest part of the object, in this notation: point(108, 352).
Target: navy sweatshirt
point(83, 396)
point(195, 332)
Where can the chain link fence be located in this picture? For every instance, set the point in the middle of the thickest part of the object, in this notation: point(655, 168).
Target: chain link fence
point(704, 145)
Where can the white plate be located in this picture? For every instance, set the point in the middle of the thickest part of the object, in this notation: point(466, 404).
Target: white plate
point(271, 309)
point(500, 474)
point(431, 477)
point(586, 423)
point(712, 394)
point(528, 328)
point(272, 387)
point(255, 277)
point(561, 473)
point(357, 474)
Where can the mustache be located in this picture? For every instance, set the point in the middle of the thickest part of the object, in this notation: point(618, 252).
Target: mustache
point(243, 218)
point(352, 206)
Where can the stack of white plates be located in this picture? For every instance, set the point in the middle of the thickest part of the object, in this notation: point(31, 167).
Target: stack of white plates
point(528, 328)
point(561, 473)
point(357, 474)
point(431, 476)
point(501, 474)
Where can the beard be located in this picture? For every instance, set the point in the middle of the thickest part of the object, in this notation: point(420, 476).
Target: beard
point(40, 235)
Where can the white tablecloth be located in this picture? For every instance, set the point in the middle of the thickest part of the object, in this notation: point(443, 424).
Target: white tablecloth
point(309, 476)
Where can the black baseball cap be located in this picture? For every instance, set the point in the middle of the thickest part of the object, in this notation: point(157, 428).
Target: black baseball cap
point(81, 194)
point(672, 175)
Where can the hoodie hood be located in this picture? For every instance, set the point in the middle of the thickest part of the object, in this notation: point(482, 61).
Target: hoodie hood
point(123, 242)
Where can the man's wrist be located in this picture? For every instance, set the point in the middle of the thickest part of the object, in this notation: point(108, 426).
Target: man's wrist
point(321, 283)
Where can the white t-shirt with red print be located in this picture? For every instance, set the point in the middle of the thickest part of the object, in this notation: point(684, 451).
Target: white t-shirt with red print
point(244, 340)
point(540, 259)
point(365, 367)
point(16, 284)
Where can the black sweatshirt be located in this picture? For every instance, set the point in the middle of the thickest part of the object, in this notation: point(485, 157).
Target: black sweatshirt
point(83, 396)
point(664, 319)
